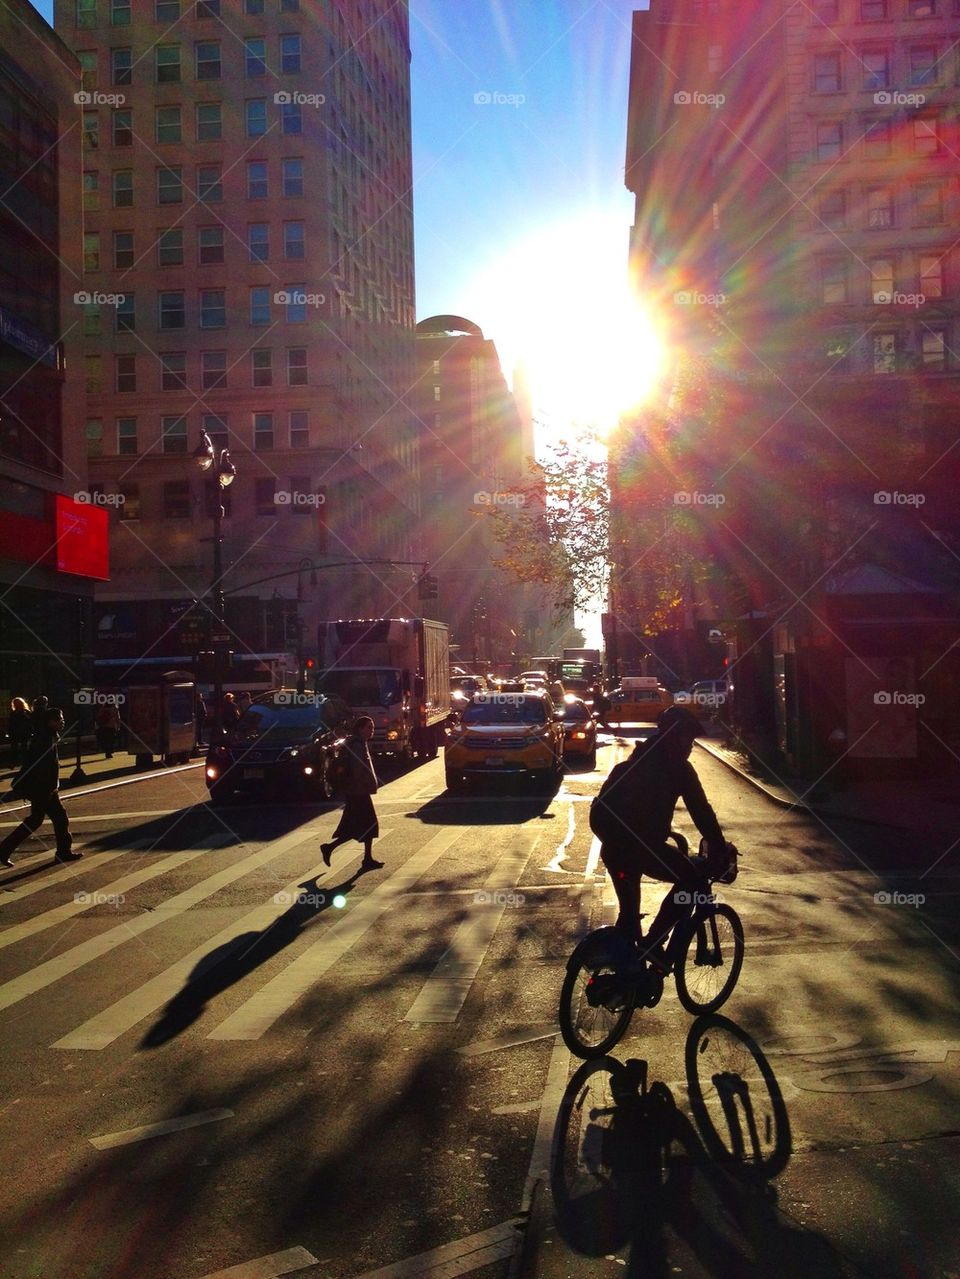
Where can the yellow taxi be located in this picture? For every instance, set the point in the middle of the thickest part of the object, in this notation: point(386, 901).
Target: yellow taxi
point(505, 734)
point(579, 730)
point(639, 700)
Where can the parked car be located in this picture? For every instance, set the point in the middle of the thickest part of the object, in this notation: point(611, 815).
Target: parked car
point(579, 730)
point(638, 705)
point(284, 743)
point(505, 736)
point(705, 695)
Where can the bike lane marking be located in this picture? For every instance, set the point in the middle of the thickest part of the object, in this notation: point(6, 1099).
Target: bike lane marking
point(110, 1140)
point(444, 993)
point(254, 1017)
point(278, 1263)
point(46, 974)
point(453, 1259)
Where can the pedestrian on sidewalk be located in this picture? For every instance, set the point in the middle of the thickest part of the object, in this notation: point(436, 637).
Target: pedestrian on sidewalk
point(39, 782)
point(18, 730)
point(108, 727)
point(359, 818)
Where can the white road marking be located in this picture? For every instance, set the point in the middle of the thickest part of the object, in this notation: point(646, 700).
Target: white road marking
point(557, 1077)
point(46, 974)
point(446, 989)
point(469, 1253)
point(528, 1036)
point(88, 898)
point(257, 1015)
point(560, 856)
point(278, 1263)
point(59, 876)
point(105, 1027)
point(126, 1138)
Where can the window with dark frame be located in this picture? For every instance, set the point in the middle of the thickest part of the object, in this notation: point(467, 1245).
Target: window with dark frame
point(168, 125)
point(827, 72)
point(299, 429)
point(262, 432)
point(127, 436)
point(121, 66)
point(130, 506)
point(297, 366)
point(257, 181)
point(123, 250)
point(122, 125)
point(125, 373)
point(208, 60)
point(170, 247)
point(173, 371)
point(209, 122)
point(213, 309)
point(213, 370)
point(261, 366)
point(210, 245)
point(829, 139)
point(167, 63)
point(172, 309)
point(173, 433)
point(176, 499)
point(258, 241)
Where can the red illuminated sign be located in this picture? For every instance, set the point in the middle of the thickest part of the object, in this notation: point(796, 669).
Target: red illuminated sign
point(82, 539)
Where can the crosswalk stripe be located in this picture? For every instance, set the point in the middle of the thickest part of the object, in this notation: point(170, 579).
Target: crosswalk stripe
point(446, 989)
point(105, 1027)
point(58, 876)
point(278, 1263)
point(452, 1259)
point(93, 897)
point(258, 1014)
point(110, 1140)
point(46, 974)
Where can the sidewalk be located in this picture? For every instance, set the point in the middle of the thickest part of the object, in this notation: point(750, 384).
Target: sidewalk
point(928, 807)
point(96, 767)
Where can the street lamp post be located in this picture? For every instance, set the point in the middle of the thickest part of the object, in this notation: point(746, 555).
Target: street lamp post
point(220, 465)
point(305, 563)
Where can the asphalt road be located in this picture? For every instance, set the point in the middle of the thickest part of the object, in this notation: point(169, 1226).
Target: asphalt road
point(219, 1054)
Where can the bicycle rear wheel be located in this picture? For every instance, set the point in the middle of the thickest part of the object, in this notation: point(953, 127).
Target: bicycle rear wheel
point(595, 1005)
point(712, 957)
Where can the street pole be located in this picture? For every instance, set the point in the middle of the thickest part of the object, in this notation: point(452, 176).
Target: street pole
point(218, 610)
point(78, 775)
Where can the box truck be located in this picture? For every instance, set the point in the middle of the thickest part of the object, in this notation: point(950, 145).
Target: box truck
point(397, 671)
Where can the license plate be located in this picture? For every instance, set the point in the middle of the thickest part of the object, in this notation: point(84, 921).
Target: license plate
point(253, 774)
point(493, 761)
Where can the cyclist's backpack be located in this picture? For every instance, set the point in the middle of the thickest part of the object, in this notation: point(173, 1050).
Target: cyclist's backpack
point(610, 811)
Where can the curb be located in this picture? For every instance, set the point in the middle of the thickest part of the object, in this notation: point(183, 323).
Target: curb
point(780, 800)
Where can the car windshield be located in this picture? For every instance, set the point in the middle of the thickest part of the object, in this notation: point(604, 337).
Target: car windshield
point(291, 723)
point(508, 711)
point(576, 711)
point(362, 688)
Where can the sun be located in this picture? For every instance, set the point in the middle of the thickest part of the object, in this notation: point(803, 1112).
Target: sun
point(559, 302)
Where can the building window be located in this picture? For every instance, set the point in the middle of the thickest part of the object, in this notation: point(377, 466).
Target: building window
point(301, 484)
point(173, 371)
point(123, 189)
point(170, 186)
point(176, 498)
point(213, 370)
point(928, 204)
point(289, 6)
point(213, 309)
point(289, 54)
point(122, 122)
point(167, 10)
point(255, 57)
point(262, 432)
point(91, 190)
point(125, 370)
point(258, 241)
point(291, 171)
point(130, 506)
point(173, 432)
point(264, 492)
point(167, 61)
point(293, 244)
point(123, 253)
point(256, 117)
point(208, 8)
point(297, 366)
point(926, 140)
point(876, 68)
point(208, 60)
point(921, 8)
point(884, 352)
point(254, 6)
point(127, 436)
point(933, 350)
point(93, 374)
point(120, 13)
point(826, 73)
point(86, 13)
point(436, 394)
point(881, 281)
point(91, 130)
point(260, 306)
point(299, 429)
point(262, 366)
point(291, 117)
point(94, 437)
point(829, 139)
point(170, 247)
point(873, 10)
point(88, 68)
point(876, 139)
point(215, 426)
point(296, 303)
point(879, 208)
point(209, 245)
point(257, 187)
point(833, 212)
point(172, 310)
point(168, 125)
point(209, 183)
point(121, 66)
point(209, 122)
point(91, 320)
point(826, 10)
point(124, 317)
point(91, 251)
point(833, 281)
point(924, 64)
point(931, 275)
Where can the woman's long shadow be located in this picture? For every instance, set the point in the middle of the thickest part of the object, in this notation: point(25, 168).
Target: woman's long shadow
point(228, 964)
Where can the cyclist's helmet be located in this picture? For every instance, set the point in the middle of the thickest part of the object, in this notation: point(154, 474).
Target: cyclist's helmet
point(677, 719)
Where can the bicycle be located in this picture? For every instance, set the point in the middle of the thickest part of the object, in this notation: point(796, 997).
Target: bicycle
point(605, 979)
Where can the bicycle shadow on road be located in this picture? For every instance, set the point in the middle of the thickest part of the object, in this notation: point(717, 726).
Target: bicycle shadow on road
point(237, 958)
point(630, 1172)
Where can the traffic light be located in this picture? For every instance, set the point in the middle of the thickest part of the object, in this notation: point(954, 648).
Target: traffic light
point(428, 587)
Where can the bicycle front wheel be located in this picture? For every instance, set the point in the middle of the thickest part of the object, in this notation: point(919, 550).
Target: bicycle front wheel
point(711, 961)
point(595, 1006)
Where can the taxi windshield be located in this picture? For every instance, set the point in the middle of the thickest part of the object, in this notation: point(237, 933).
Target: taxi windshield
point(506, 709)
